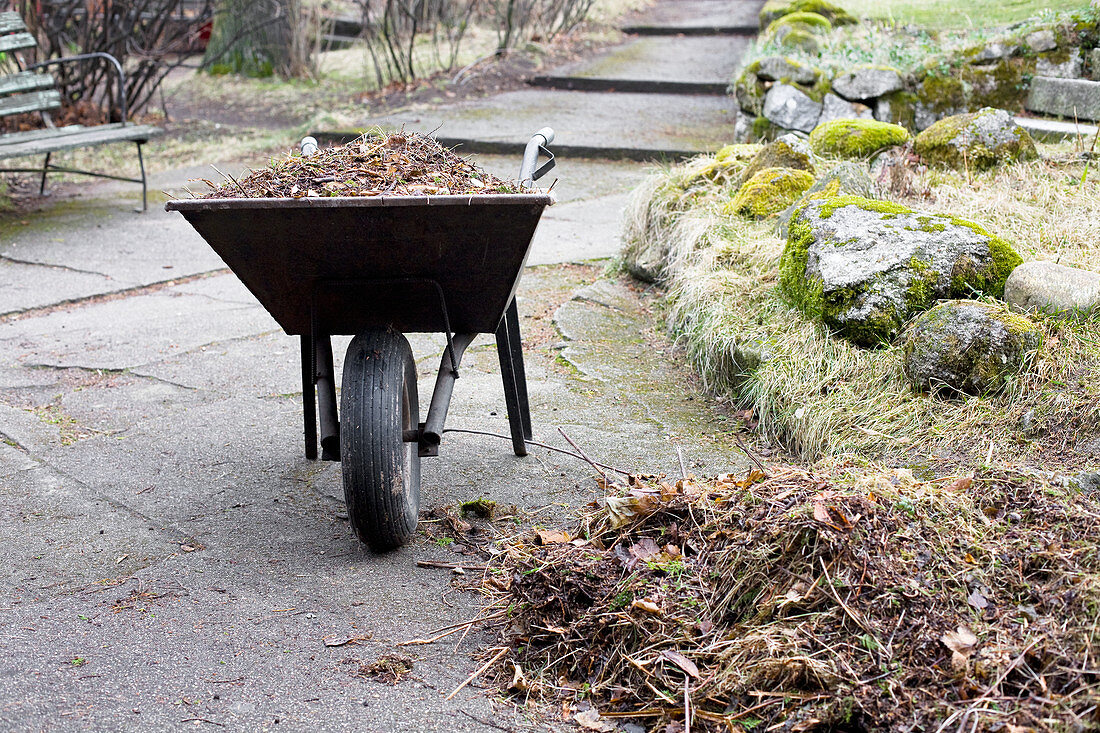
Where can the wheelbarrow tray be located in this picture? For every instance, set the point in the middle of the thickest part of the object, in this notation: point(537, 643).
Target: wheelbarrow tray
point(341, 265)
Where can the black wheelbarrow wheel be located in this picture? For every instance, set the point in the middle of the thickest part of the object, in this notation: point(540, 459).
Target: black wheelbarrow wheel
point(381, 471)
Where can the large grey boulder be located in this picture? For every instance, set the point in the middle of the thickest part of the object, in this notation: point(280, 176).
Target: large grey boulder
point(867, 82)
point(865, 267)
point(966, 346)
point(975, 140)
point(1053, 288)
point(791, 108)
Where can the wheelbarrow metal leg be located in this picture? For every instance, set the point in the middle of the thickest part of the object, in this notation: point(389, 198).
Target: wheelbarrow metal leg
point(432, 432)
point(507, 354)
point(512, 314)
point(309, 411)
point(326, 397)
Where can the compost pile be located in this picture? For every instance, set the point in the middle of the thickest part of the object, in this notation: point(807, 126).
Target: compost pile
point(848, 600)
point(376, 164)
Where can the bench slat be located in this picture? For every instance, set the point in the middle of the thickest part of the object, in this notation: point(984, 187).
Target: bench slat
point(12, 138)
point(16, 41)
point(30, 102)
point(87, 137)
point(11, 22)
point(24, 81)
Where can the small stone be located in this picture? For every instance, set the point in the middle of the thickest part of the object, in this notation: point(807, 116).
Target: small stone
point(787, 151)
point(835, 108)
point(1094, 64)
point(1055, 289)
point(775, 68)
point(791, 108)
point(851, 138)
point(1041, 41)
point(975, 141)
point(1068, 69)
point(966, 347)
point(867, 82)
point(993, 51)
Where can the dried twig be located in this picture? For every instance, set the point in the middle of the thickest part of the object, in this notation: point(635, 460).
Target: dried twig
point(477, 673)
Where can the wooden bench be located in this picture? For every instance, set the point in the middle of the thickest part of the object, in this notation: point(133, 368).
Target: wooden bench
point(30, 90)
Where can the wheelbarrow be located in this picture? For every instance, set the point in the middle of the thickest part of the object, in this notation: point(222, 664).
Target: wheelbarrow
point(376, 268)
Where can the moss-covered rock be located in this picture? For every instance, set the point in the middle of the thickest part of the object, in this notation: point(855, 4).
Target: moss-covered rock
point(799, 39)
point(809, 22)
point(898, 108)
point(1002, 84)
point(864, 267)
point(787, 151)
point(769, 192)
point(855, 138)
point(749, 90)
point(849, 178)
point(975, 140)
point(967, 347)
point(777, 8)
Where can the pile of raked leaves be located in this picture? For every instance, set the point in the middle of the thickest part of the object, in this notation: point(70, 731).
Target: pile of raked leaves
point(840, 599)
point(376, 164)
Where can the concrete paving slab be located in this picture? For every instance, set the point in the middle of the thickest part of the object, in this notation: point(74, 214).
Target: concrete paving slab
point(662, 62)
point(590, 124)
point(26, 286)
point(122, 334)
point(93, 236)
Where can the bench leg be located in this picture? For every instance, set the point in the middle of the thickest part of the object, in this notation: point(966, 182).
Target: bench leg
point(144, 186)
point(45, 168)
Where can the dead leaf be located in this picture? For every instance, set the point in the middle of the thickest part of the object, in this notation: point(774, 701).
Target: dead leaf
point(645, 549)
point(962, 483)
point(961, 643)
point(682, 662)
point(552, 536)
point(644, 604)
point(519, 681)
point(590, 720)
point(978, 601)
point(626, 509)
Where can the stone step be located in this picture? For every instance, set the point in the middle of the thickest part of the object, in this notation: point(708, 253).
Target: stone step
point(659, 65)
point(1052, 131)
point(587, 124)
point(1073, 99)
point(699, 17)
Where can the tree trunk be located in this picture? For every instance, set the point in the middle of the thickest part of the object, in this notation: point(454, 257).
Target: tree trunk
point(257, 38)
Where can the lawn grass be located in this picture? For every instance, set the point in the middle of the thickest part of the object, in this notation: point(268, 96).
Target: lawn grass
point(957, 14)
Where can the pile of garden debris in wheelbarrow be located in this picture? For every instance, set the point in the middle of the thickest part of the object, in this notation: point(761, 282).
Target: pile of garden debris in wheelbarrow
point(847, 599)
point(376, 164)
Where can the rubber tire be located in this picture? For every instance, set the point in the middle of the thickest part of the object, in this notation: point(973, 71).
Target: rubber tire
point(381, 472)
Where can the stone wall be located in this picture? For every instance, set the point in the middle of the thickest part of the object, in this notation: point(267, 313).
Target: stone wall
point(1012, 71)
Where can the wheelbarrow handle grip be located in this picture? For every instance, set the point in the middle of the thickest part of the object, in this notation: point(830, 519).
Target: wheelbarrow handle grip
point(528, 173)
point(309, 145)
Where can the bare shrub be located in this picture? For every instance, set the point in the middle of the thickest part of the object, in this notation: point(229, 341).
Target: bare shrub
point(149, 38)
point(408, 39)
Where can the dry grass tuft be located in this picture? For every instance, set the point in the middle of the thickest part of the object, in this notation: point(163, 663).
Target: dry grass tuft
point(844, 599)
point(818, 395)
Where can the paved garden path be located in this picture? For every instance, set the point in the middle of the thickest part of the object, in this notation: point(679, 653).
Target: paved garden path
point(170, 559)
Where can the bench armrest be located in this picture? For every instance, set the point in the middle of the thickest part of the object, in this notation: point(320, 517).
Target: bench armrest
point(98, 55)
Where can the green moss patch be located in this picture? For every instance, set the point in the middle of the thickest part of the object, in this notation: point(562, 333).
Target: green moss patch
point(852, 138)
point(774, 9)
point(769, 191)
